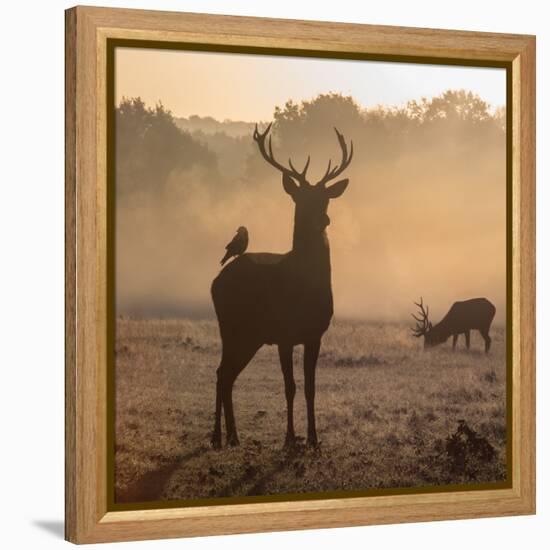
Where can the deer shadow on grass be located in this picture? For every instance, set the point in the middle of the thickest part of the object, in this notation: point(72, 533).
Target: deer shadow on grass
point(278, 462)
point(151, 485)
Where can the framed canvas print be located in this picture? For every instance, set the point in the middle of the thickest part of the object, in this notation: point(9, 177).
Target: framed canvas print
point(300, 263)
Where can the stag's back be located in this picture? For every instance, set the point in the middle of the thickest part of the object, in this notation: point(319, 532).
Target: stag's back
point(262, 296)
point(474, 314)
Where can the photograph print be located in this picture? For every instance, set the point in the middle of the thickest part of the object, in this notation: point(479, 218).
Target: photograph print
point(309, 276)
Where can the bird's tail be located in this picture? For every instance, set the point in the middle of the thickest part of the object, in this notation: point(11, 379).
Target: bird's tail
point(225, 258)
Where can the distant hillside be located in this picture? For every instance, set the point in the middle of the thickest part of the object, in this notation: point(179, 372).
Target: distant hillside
point(209, 125)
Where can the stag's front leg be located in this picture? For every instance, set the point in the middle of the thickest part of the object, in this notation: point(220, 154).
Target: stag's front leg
point(285, 356)
point(311, 354)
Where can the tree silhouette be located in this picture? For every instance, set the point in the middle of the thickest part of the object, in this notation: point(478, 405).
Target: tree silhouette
point(149, 146)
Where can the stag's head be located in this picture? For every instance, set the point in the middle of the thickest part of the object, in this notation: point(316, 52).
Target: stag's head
point(311, 199)
point(424, 327)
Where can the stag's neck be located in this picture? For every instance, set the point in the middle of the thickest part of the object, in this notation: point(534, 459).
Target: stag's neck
point(313, 251)
point(443, 330)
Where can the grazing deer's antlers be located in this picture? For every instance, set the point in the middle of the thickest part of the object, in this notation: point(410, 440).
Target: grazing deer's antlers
point(422, 324)
point(337, 170)
point(259, 138)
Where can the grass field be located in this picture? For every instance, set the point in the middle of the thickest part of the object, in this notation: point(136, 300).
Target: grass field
point(387, 414)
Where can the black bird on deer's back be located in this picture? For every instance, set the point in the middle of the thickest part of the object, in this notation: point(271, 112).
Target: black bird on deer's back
point(282, 299)
point(237, 246)
point(474, 314)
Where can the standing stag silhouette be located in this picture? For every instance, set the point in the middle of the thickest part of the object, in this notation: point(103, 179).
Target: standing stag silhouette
point(282, 299)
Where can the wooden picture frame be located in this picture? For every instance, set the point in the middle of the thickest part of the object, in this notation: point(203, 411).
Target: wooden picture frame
point(88, 30)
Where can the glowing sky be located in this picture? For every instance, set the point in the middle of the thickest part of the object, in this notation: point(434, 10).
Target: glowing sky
point(248, 87)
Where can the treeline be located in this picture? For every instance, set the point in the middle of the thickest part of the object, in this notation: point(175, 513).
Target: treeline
point(152, 144)
point(149, 147)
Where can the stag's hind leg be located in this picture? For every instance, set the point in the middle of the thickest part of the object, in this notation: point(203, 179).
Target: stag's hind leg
point(221, 384)
point(285, 356)
point(235, 357)
point(455, 338)
point(487, 338)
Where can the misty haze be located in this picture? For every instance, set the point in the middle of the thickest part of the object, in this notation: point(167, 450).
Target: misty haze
point(424, 213)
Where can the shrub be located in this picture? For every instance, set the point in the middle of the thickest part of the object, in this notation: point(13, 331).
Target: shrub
point(467, 451)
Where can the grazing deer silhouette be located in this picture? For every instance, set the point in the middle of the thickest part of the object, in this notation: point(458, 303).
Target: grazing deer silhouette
point(475, 314)
point(282, 299)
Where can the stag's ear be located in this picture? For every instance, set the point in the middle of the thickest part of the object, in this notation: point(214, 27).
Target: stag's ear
point(336, 189)
point(430, 326)
point(289, 185)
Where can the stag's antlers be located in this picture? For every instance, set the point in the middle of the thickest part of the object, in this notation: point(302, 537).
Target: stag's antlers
point(259, 138)
point(337, 170)
point(423, 323)
point(300, 177)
